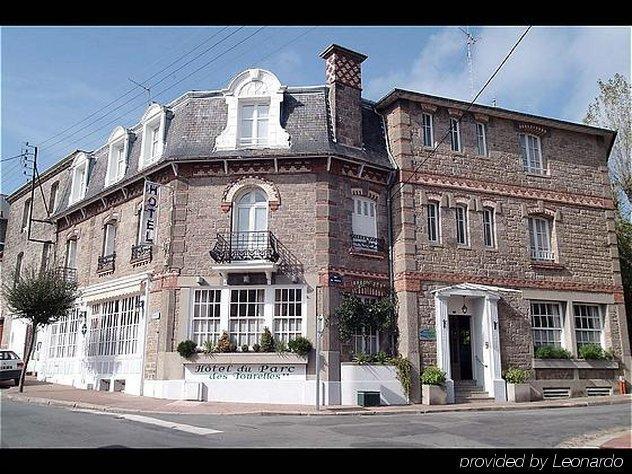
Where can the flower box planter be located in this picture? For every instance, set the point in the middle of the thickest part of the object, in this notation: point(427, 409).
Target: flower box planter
point(518, 392)
point(433, 395)
point(574, 364)
point(246, 358)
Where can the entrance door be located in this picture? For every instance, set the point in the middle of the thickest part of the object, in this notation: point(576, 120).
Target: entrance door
point(460, 347)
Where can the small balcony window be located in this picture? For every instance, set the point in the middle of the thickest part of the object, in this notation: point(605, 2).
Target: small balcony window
point(455, 134)
point(540, 238)
point(531, 152)
point(364, 224)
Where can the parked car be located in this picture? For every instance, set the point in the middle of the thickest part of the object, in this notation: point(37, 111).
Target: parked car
point(10, 366)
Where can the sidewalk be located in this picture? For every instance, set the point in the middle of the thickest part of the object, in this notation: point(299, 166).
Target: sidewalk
point(63, 395)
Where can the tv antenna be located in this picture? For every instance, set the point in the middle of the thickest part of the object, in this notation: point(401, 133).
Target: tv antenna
point(471, 39)
point(147, 89)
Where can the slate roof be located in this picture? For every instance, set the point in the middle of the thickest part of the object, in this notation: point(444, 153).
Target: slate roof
point(199, 117)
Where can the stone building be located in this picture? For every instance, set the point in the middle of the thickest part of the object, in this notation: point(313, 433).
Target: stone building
point(260, 205)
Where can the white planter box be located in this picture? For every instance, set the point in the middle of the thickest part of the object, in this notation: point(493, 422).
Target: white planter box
point(371, 377)
point(518, 392)
point(433, 395)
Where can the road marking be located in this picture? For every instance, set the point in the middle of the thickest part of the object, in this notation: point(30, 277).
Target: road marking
point(155, 421)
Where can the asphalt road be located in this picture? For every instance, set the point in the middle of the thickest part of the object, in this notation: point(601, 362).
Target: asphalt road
point(30, 425)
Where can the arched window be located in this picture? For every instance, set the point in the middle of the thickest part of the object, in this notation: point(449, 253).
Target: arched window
point(250, 219)
point(80, 175)
point(26, 214)
point(118, 150)
point(540, 236)
point(109, 239)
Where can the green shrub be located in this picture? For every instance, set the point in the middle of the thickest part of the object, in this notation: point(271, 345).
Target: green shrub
point(381, 358)
point(361, 358)
point(208, 347)
point(187, 348)
point(516, 375)
point(224, 344)
point(280, 346)
point(552, 352)
point(404, 370)
point(245, 348)
point(267, 341)
point(433, 375)
point(256, 347)
point(593, 352)
point(300, 345)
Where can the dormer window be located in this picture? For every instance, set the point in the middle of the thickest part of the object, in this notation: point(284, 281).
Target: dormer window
point(154, 122)
point(118, 151)
point(254, 99)
point(79, 172)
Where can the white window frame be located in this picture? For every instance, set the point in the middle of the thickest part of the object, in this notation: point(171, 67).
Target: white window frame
point(364, 223)
point(541, 239)
point(52, 200)
point(250, 336)
point(427, 127)
point(109, 237)
point(582, 329)
point(366, 341)
point(205, 323)
point(549, 333)
point(462, 225)
point(118, 151)
point(79, 182)
point(115, 328)
point(481, 139)
point(532, 164)
point(283, 319)
point(455, 135)
point(71, 244)
point(255, 141)
point(63, 336)
point(26, 214)
point(489, 227)
point(436, 221)
point(154, 119)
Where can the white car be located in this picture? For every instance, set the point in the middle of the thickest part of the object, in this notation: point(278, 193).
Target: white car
point(10, 366)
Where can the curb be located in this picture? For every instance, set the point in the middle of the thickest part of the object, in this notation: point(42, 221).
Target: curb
point(325, 412)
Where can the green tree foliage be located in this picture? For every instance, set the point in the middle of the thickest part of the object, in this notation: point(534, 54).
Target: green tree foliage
point(40, 297)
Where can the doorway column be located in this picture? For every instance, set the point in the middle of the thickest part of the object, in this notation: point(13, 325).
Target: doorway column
point(442, 324)
point(491, 321)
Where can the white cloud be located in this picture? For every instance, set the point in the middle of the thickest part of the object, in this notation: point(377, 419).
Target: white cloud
point(554, 71)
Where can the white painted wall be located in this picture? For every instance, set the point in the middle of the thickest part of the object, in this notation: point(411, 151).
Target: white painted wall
point(382, 378)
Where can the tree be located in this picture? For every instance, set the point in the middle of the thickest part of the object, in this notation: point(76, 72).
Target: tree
point(612, 110)
point(40, 297)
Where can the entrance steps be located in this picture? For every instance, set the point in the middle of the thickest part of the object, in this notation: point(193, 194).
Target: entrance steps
point(466, 391)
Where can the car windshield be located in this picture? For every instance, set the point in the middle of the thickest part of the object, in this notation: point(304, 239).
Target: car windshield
point(8, 355)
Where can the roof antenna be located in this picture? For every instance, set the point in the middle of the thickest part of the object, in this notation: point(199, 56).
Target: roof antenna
point(147, 89)
point(470, 63)
point(494, 104)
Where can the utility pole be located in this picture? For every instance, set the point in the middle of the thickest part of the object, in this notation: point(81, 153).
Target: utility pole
point(319, 332)
point(35, 176)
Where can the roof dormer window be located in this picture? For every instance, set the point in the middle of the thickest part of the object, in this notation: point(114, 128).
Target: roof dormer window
point(254, 99)
point(118, 151)
point(154, 124)
point(79, 172)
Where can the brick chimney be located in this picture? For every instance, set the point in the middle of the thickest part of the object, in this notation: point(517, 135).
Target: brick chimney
point(344, 78)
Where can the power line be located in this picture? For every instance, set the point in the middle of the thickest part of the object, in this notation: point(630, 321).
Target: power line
point(12, 157)
point(163, 90)
point(130, 90)
point(431, 152)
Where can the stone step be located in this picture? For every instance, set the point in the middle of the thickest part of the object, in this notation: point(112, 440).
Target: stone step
point(473, 396)
point(470, 390)
point(473, 400)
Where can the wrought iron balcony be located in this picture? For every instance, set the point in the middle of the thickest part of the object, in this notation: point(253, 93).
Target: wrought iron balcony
point(141, 253)
point(542, 255)
point(68, 274)
point(367, 244)
point(246, 246)
point(106, 263)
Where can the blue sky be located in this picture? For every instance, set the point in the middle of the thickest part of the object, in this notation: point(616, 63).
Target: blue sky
point(52, 78)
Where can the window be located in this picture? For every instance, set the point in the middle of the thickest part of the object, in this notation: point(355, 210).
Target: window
point(206, 316)
point(433, 222)
point(63, 336)
point(366, 341)
point(489, 227)
point(114, 327)
point(364, 224)
point(588, 324)
point(288, 314)
point(117, 155)
point(52, 202)
point(109, 239)
point(71, 253)
point(462, 231)
point(481, 139)
point(79, 173)
point(154, 124)
point(540, 237)
point(546, 324)
point(455, 135)
point(18, 266)
point(250, 222)
point(246, 319)
point(531, 153)
point(47, 251)
point(26, 214)
point(254, 125)
point(426, 130)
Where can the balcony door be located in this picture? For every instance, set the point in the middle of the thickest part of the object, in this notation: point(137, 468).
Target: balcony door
point(251, 222)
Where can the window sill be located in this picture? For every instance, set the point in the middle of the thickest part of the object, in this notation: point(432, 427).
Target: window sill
point(246, 358)
point(367, 254)
point(491, 249)
point(538, 175)
point(574, 364)
point(463, 247)
point(435, 244)
point(545, 265)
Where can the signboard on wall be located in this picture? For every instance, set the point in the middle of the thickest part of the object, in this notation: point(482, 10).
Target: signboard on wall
point(149, 213)
point(271, 372)
point(427, 334)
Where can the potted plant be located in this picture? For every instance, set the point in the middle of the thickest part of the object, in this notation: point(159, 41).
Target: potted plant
point(433, 386)
point(518, 390)
point(594, 352)
point(187, 348)
point(300, 345)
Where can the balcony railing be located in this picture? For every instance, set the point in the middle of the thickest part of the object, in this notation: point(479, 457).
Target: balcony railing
point(106, 263)
point(245, 246)
point(542, 255)
point(68, 274)
point(141, 253)
point(367, 244)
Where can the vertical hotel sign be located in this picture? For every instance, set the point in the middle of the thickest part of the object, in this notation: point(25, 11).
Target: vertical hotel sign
point(149, 216)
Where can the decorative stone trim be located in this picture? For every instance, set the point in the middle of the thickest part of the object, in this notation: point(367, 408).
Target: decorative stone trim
point(455, 113)
point(481, 118)
point(428, 108)
point(532, 129)
point(357, 191)
point(111, 217)
point(539, 210)
point(462, 184)
point(274, 198)
point(373, 195)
